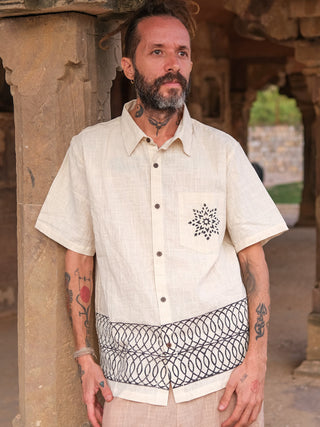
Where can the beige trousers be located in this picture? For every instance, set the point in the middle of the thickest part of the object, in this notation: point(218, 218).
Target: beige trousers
point(201, 412)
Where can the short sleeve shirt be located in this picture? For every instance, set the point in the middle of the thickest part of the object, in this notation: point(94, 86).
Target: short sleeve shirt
point(166, 225)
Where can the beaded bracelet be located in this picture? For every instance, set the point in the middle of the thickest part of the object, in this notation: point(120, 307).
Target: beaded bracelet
point(83, 351)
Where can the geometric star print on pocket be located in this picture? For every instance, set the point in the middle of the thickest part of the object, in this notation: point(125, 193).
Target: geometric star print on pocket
point(205, 221)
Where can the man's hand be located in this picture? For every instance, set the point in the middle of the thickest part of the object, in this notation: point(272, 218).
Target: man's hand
point(93, 380)
point(247, 382)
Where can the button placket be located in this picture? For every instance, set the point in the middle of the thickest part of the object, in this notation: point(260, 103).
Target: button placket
point(158, 238)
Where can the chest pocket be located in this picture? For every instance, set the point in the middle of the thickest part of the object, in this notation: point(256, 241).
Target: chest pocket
point(202, 221)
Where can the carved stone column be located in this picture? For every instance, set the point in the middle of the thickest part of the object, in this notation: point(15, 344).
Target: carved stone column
point(60, 82)
point(296, 87)
point(307, 205)
point(312, 364)
point(240, 114)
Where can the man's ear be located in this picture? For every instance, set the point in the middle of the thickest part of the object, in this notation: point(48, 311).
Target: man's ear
point(128, 69)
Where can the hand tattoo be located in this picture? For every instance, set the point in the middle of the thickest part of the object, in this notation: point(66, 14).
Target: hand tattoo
point(244, 377)
point(80, 372)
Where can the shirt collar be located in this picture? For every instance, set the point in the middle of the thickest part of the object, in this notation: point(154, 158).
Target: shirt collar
point(132, 134)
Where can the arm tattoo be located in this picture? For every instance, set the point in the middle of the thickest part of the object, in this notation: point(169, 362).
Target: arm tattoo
point(69, 295)
point(159, 125)
point(140, 111)
point(248, 279)
point(80, 372)
point(259, 327)
point(83, 298)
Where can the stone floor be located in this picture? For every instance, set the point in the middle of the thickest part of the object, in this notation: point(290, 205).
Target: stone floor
point(291, 400)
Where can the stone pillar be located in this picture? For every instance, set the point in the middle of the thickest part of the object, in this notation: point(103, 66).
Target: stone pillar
point(307, 205)
point(60, 82)
point(240, 114)
point(312, 364)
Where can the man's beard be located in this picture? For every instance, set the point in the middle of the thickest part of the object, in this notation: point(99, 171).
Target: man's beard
point(151, 97)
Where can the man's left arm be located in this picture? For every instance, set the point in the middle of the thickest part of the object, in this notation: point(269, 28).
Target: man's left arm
point(247, 380)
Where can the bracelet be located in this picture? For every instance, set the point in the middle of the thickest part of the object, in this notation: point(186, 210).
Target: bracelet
point(83, 351)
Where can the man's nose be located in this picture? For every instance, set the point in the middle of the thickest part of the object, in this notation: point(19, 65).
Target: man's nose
point(172, 64)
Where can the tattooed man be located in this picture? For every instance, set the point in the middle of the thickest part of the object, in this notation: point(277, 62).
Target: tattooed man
point(176, 217)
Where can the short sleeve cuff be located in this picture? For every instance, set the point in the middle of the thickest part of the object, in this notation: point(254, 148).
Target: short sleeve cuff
point(263, 237)
point(58, 237)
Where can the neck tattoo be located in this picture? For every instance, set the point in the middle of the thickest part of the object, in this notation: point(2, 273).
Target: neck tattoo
point(158, 124)
point(140, 111)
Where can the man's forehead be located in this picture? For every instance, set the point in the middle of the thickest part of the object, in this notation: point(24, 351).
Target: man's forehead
point(157, 30)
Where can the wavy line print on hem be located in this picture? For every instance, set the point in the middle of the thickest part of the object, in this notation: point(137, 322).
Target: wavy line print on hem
point(205, 221)
point(202, 346)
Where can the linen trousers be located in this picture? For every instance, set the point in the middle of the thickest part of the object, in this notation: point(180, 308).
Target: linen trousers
point(200, 412)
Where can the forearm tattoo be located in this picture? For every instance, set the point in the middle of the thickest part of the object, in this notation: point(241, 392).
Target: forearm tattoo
point(83, 300)
point(248, 279)
point(260, 325)
point(69, 295)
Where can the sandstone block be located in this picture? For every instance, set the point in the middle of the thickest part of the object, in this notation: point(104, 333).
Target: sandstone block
point(313, 349)
point(308, 53)
point(304, 8)
point(310, 27)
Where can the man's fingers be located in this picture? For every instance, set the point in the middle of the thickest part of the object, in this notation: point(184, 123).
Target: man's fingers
point(255, 413)
point(105, 390)
point(225, 399)
point(234, 417)
point(98, 412)
point(91, 412)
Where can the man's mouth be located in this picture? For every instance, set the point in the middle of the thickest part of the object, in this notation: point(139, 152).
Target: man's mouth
point(173, 83)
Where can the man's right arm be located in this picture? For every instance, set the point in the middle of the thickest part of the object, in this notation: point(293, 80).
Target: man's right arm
point(79, 284)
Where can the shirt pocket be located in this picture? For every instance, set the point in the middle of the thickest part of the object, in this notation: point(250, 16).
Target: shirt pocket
point(202, 221)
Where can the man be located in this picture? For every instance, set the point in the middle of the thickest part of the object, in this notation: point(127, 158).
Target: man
point(172, 209)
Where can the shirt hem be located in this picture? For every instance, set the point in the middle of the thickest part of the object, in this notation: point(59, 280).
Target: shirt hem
point(159, 397)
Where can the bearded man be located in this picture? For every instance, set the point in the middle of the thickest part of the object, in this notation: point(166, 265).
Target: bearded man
point(176, 217)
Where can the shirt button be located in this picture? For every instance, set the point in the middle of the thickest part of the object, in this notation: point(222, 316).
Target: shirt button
point(159, 253)
point(163, 299)
point(155, 165)
point(148, 140)
point(157, 206)
point(169, 344)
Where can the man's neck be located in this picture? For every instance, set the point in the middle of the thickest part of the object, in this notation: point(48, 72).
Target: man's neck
point(160, 126)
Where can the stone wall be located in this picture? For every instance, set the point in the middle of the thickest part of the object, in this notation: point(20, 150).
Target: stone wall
point(279, 150)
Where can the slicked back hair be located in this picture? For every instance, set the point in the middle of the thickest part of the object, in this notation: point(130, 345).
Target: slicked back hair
point(183, 10)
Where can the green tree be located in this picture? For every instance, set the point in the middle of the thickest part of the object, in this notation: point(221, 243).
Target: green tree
point(271, 108)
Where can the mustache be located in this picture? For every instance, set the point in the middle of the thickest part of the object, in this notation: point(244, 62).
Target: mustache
point(170, 77)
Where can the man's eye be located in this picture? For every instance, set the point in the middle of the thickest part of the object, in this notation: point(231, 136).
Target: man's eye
point(183, 53)
point(156, 52)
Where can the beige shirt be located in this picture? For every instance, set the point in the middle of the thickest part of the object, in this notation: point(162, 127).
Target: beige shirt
point(166, 225)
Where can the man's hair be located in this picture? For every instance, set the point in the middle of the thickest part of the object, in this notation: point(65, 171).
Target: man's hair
point(179, 9)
